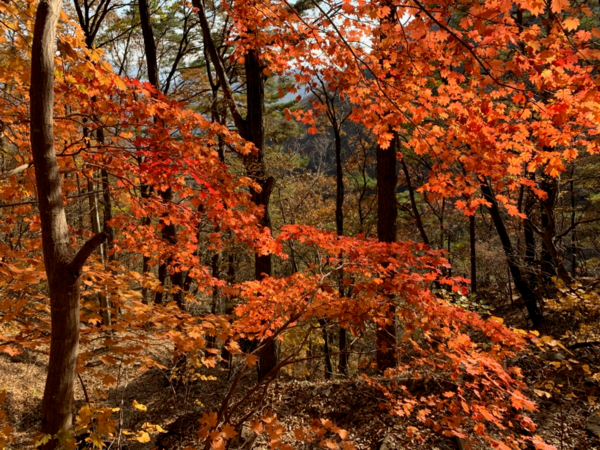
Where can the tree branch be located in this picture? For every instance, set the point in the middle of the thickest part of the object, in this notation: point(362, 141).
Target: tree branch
point(15, 171)
point(84, 252)
point(218, 63)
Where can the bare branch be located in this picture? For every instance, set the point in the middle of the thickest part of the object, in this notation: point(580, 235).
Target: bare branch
point(15, 171)
point(84, 252)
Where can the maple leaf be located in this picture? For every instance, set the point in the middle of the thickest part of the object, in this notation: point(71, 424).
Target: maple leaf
point(218, 443)
point(251, 359)
point(109, 380)
point(558, 5)
point(209, 418)
point(347, 6)
point(228, 431)
point(571, 23)
point(519, 401)
point(256, 426)
point(479, 428)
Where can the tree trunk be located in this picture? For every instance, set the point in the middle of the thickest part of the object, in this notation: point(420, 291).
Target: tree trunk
point(387, 212)
point(150, 52)
point(473, 253)
point(413, 203)
point(95, 223)
point(339, 224)
point(169, 232)
point(573, 246)
point(521, 283)
point(62, 268)
point(552, 264)
point(253, 131)
point(149, 43)
point(328, 365)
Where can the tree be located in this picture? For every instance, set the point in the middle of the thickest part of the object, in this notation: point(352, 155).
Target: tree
point(251, 128)
point(62, 267)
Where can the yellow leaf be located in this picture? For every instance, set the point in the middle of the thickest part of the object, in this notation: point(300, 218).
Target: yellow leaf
point(541, 393)
point(139, 406)
point(142, 437)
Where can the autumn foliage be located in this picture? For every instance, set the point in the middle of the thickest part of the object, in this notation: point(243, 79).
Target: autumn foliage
point(492, 90)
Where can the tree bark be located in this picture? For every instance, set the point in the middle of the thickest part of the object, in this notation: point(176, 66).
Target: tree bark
point(253, 131)
point(62, 268)
point(521, 283)
point(149, 43)
point(473, 253)
point(413, 203)
point(387, 213)
point(339, 224)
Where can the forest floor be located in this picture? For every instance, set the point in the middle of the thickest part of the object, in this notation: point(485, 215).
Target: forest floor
point(565, 383)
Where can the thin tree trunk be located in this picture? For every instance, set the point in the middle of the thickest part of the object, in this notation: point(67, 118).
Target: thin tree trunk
point(521, 283)
point(387, 213)
point(225, 353)
point(413, 203)
point(62, 268)
point(95, 222)
point(339, 224)
point(573, 233)
point(252, 130)
point(552, 264)
point(328, 365)
point(473, 253)
point(149, 43)
point(169, 232)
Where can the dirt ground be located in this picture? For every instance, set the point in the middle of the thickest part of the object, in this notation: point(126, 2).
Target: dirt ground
point(562, 382)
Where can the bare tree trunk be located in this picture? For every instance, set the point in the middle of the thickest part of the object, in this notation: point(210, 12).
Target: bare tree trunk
point(473, 253)
point(387, 212)
point(573, 246)
point(152, 67)
point(253, 131)
point(522, 284)
point(95, 222)
point(413, 203)
point(339, 224)
point(552, 264)
point(62, 268)
point(168, 233)
point(149, 43)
